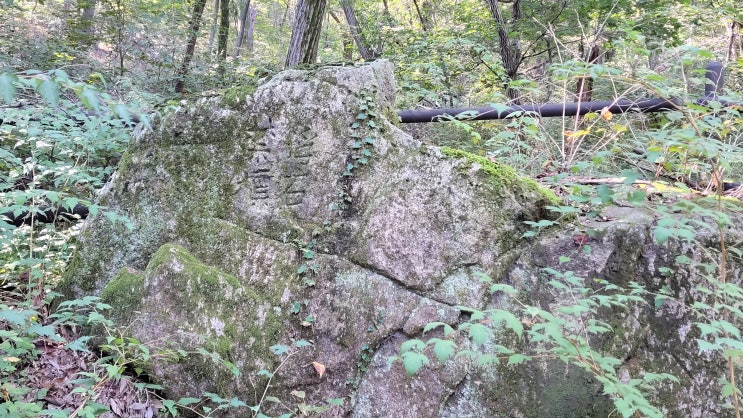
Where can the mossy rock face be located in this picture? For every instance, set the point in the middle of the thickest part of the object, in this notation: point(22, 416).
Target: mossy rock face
point(298, 211)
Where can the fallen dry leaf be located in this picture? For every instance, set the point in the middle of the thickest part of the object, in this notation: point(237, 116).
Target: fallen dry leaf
point(319, 368)
point(580, 239)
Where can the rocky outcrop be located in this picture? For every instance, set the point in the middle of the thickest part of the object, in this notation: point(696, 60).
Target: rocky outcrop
point(300, 212)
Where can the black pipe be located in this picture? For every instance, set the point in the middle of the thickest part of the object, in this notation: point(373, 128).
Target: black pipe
point(45, 214)
point(715, 80)
point(545, 110)
point(712, 87)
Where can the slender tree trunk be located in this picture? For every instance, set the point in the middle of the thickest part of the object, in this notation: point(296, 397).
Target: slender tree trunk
point(241, 28)
point(285, 16)
point(81, 23)
point(510, 50)
point(353, 24)
point(251, 29)
point(224, 29)
point(193, 32)
point(735, 41)
point(213, 31)
point(347, 38)
point(424, 22)
point(306, 31)
point(584, 88)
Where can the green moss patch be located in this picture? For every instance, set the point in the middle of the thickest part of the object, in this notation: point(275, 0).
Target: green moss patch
point(503, 175)
point(124, 293)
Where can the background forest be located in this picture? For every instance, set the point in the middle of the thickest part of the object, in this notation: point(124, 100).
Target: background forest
point(77, 76)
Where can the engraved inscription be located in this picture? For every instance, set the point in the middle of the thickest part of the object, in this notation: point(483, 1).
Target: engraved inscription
point(260, 170)
point(296, 169)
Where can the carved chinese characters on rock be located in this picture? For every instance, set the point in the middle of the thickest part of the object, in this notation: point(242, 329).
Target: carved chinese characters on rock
point(282, 170)
point(297, 168)
point(261, 170)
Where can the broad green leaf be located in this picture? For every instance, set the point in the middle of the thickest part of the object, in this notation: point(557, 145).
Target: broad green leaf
point(169, 405)
point(44, 331)
point(413, 362)
point(707, 346)
point(503, 287)
point(708, 329)
point(336, 401)
point(517, 358)
point(510, 319)
point(7, 88)
point(302, 343)
point(17, 317)
point(49, 90)
point(279, 349)
point(479, 333)
point(89, 97)
point(662, 234)
point(80, 344)
point(414, 344)
point(432, 325)
point(235, 402)
point(188, 401)
point(444, 349)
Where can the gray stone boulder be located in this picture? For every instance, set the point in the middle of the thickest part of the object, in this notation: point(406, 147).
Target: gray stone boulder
point(300, 212)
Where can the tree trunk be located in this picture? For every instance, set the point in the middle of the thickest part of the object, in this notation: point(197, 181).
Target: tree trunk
point(424, 22)
point(193, 32)
point(251, 29)
point(81, 24)
point(510, 50)
point(584, 88)
point(347, 39)
point(213, 31)
point(306, 32)
point(353, 24)
point(224, 30)
point(241, 28)
point(735, 41)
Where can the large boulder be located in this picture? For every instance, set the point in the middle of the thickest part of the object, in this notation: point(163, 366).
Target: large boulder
point(300, 212)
